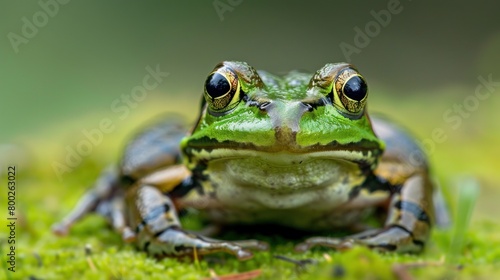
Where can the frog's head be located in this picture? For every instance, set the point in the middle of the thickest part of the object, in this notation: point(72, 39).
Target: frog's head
point(287, 119)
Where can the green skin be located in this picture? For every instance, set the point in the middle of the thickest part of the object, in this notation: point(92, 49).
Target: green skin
point(294, 150)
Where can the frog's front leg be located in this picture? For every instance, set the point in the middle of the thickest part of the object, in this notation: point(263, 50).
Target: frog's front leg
point(407, 226)
point(106, 199)
point(158, 230)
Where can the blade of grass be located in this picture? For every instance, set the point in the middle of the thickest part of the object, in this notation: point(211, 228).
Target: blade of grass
point(468, 192)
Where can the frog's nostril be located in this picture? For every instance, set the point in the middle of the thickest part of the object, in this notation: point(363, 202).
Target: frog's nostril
point(264, 106)
point(309, 107)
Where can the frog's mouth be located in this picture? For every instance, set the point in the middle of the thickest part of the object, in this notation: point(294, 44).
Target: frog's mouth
point(364, 153)
point(364, 158)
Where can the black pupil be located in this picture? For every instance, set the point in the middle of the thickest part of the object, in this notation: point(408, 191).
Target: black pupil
point(217, 85)
point(355, 88)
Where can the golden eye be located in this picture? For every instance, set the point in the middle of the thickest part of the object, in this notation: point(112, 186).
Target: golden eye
point(349, 91)
point(222, 90)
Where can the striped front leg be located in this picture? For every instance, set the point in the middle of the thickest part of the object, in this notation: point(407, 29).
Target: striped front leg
point(411, 214)
point(406, 229)
point(157, 227)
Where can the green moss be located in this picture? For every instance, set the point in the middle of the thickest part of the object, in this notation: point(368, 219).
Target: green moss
point(45, 256)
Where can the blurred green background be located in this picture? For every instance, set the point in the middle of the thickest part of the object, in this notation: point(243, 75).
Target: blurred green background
point(84, 57)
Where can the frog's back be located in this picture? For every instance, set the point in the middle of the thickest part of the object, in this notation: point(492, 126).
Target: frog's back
point(402, 155)
point(154, 147)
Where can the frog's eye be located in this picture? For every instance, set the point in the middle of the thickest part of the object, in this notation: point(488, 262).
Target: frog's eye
point(349, 91)
point(222, 90)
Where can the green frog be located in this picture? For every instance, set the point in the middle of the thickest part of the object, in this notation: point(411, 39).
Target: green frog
point(298, 151)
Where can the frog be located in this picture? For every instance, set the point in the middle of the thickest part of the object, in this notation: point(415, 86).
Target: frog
point(297, 150)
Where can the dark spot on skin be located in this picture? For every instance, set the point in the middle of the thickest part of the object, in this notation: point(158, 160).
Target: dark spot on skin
point(189, 184)
point(388, 247)
point(354, 192)
point(155, 212)
point(184, 187)
point(419, 243)
point(300, 162)
point(365, 167)
point(413, 208)
point(160, 232)
point(403, 229)
point(372, 184)
point(126, 180)
point(182, 212)
point(181, 248)
point(166, 207)
point(178, 158)
point(140, 226)
point(198, 170)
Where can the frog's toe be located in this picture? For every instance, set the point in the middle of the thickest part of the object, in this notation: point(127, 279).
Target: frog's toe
point(242, 249)
point(249, 244)
point(335, 243)
point(128, 235)
point(60, 229)
point(176, 242)
point(393, 238)
point(252, 244)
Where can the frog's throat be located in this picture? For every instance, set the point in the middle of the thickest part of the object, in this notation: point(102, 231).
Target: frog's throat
point(282, 173)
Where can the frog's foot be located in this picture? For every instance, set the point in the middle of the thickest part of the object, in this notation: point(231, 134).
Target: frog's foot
point(392, 238)
point(176, 242)
point(160, 234)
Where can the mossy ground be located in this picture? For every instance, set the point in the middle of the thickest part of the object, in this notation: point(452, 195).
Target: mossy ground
point(43, 199)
